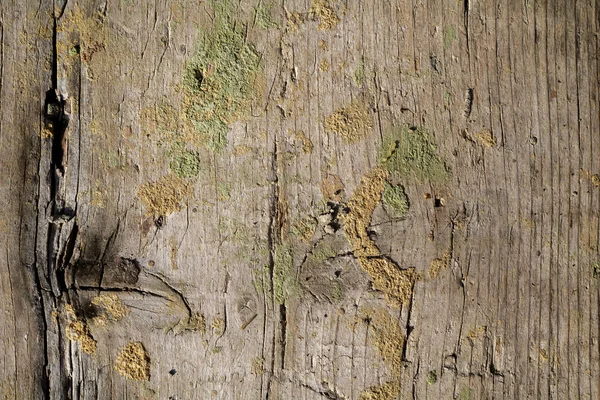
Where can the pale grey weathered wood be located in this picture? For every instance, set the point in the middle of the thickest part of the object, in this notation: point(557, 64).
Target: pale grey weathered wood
point(515, 314)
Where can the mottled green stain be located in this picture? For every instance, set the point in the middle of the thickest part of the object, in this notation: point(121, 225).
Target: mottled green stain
point(395, 200)
point(218, 81)
point(596, 270)
point(285, 283)
point(411, 153)
point(263, 17)
point(359, 73)
point(449, 35)
point(183, 163)
point(431, 377)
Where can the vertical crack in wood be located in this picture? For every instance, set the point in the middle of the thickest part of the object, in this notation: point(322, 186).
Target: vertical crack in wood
point(53, 254)
point(271, 238)
point(275, 240)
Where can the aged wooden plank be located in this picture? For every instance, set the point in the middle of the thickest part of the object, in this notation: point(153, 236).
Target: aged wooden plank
point(211, 200)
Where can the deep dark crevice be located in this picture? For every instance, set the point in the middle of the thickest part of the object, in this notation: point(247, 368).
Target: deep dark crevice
point(468, 102)
point(271, 233)
point(125, 289)
point(283, 323)
point(45, 378)
point(466, 17)
point(409, 327)
point(54, 53)
point(414, 381)
point(50, 282)
point(67, 255)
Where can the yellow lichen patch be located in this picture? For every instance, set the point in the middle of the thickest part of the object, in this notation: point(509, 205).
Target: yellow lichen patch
point(91, 40)
point(164, 196)
point(46, 132)
point(55, 314)
point(257, 366)
point(294, 20)
point(241, 150)
point(486, 138)
point(394, 282)
point(361, 206)
point(100, 320)
point(324, 65)
point(133, 362)
point(112, 304)
point(79, 331)
point(353, 122)
point(594, 178)
point(305, 142)
point(323, 45)
point(387, 336)
point(322, 10)
point(196, 323)
point(98, 196)
point(332, 187)
point(218, 326)
point(477, 332)
point(159, 119)
point(438, 264)
point(387, 391)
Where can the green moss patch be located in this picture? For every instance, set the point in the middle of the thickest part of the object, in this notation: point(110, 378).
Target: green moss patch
point(431, 377)
point(184, 163)
point(263, 17)
point(449, 35)
point(285, 283)
point(395, 200)
point(219, 80)
point(596, 269)
point(412, 153)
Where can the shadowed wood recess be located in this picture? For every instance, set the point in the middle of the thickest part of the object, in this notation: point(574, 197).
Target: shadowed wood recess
point(299, 199)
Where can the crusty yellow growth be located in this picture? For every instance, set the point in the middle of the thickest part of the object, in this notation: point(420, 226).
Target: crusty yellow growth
point(486, 138)
point(361, 206)
point(196, 323)
point(79, 331)
point(133, 362)
point(324, 65)
point(395, 283)
point(112, 304)
point(387, 336)
point(294, 20)
point(389, 340)
point(322, 10)
point(332, 187)
point(307, 144)
point(438, 264)
point(387, 391)
point(164, 196)
point(353, 122)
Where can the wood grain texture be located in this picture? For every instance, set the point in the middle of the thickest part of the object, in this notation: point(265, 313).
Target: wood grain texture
point(251, 289)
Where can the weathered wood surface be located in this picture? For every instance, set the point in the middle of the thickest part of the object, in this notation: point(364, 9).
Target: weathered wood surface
point(509, 90)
